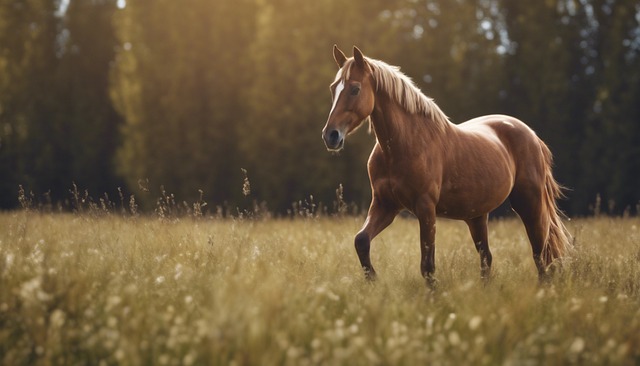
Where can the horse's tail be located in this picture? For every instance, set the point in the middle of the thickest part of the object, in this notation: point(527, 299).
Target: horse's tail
point(558, 241)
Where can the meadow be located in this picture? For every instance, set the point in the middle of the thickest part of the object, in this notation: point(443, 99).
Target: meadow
point(113, 289)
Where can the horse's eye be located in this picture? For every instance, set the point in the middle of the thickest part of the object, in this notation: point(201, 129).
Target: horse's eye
point(355, 90)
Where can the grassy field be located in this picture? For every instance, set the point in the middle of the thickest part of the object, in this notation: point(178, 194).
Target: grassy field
point(83, 289)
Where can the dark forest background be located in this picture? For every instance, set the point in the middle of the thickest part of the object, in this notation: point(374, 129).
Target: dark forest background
point(144, 94)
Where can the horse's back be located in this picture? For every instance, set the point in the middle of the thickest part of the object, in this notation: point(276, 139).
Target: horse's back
point(528, 153)
point(516, 136)
point(508, 129)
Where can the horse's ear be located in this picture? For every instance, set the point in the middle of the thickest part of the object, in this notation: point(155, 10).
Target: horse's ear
point(339, 56)
point(359, 57)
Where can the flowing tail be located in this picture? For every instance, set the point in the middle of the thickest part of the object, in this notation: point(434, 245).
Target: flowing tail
point(558, 241)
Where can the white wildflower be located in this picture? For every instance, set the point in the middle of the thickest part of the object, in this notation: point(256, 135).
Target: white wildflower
point(577, 346)
point(475, 322)
point(32, 291)
point(57, 318)
point(454, 338)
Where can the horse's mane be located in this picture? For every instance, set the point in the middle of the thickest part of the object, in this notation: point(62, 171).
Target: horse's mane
point(390, 80)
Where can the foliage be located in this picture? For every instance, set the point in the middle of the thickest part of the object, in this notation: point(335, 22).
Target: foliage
point(57, 123)
point(184, 95)
point(182, 114)
point(93, 288)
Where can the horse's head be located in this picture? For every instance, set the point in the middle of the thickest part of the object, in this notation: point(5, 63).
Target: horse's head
point(353, 93)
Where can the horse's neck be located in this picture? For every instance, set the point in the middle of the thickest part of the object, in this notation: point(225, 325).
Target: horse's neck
point(399, 132)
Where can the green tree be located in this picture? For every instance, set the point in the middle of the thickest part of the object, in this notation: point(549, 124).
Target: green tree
point(84, 105)
point(547, 84)
point(185, 94)
point(573, 75)
point(180, 80)
point(30, 140)
point(450, 48)
point(611, 149)
point(289, 99)
point(57, 123)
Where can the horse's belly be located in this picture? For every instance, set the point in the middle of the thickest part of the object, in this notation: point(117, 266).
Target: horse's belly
point(466, 197)
point(464, 210)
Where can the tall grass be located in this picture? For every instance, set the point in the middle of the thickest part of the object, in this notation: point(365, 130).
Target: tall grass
point(114, 289)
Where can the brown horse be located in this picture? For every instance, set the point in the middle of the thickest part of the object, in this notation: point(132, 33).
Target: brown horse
point(423, 163)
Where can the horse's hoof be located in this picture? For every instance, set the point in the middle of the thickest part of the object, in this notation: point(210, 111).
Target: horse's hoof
point(432, 283)
point(485, 276)
point(370, 276)
point(544, 279)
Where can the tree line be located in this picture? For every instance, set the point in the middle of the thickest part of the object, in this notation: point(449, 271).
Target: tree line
point(154, 96)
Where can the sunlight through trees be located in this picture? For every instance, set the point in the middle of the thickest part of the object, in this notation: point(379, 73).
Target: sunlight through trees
point(186, 94)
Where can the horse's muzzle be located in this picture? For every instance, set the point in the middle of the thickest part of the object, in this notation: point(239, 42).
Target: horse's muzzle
point(333, 139)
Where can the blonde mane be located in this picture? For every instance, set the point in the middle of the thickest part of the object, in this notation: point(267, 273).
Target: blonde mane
point(399, 87)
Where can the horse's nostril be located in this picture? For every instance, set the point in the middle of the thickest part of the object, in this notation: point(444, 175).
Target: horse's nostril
point(334, 136)
point(333, 139)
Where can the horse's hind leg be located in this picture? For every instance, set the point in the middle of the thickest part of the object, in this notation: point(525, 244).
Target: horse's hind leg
point(378, 218)
point(426, 213)
point(478, 229)
point(527, 203)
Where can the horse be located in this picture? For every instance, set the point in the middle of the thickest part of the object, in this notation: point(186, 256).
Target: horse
point(423, 163)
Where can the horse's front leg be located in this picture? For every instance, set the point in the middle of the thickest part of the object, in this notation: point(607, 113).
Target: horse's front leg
point(379, 217)
point(427, 218)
